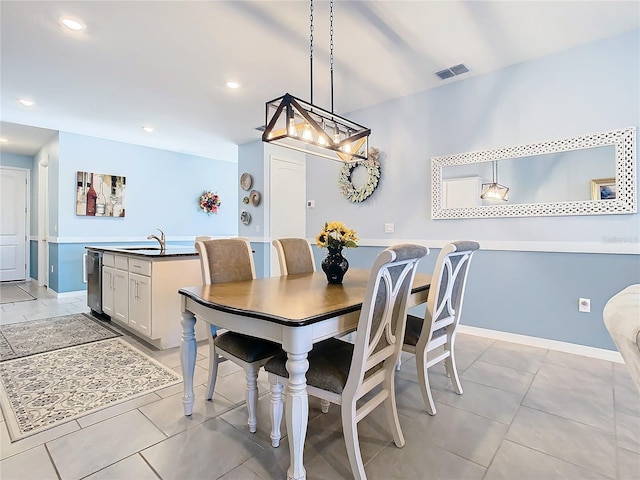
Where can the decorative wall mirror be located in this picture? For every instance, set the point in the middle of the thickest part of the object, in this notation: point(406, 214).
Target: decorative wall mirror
point(544, 179)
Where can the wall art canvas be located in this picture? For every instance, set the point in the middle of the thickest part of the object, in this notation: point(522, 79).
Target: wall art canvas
point(100, 195)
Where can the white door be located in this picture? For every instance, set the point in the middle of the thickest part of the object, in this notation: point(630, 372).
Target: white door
point(13, 224)
point(287, 209)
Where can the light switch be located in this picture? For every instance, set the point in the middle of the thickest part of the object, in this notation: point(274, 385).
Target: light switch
point(311, 204)
point(389, 228)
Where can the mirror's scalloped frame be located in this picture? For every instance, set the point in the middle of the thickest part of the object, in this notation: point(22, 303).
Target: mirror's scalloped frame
point(624, 141)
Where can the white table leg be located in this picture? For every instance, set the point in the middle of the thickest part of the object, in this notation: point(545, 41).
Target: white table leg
point(297, 412)
point(188, 359)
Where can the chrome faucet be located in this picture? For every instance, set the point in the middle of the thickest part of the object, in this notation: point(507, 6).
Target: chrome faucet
point(161, 240)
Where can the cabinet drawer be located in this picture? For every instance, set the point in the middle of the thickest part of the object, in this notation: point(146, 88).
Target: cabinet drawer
point(121, 263)
point(141, 267)
point(108, 260)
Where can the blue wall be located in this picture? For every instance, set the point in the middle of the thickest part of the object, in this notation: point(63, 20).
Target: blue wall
point(16, 160)
point(512, 287)
point(163, 191)
point(587, 89)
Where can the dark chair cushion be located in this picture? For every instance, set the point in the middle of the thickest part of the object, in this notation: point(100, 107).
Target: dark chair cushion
point(250, 349)
point(414, 329)
point(329, 363)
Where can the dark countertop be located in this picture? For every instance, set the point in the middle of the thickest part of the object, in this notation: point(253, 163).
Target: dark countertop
point(147, 250)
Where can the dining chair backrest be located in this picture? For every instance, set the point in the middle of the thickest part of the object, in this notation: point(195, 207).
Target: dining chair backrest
point(444, 303)
point(294, 256)
point(226, 260)
point(382, 319)
point(202, 238)
point(436, 331)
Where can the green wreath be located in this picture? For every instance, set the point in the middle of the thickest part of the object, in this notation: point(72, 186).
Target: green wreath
point(360, 194)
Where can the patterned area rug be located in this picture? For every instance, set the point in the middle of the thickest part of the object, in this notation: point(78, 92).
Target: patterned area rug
point(45, 390)
point(38, 336)
point(10, 293)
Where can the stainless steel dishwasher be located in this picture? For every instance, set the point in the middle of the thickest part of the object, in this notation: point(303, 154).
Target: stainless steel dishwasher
point(94, 281)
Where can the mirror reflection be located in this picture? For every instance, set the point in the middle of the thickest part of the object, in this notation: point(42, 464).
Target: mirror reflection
point(592, 174)
point(551, 177)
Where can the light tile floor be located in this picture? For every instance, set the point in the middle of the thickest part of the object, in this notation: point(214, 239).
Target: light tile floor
point(526, 413)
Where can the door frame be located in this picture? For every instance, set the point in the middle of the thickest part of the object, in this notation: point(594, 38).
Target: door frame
point(27, 218)
point(271, 259)
point(43, 222)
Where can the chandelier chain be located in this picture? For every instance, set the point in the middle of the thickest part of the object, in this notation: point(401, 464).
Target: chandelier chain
point(311, 47)
point(331, 48)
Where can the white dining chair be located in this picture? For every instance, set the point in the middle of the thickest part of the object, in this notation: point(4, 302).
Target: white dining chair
point(231, 260)
point(438, 326)
point(294, 256)
point(344, 373)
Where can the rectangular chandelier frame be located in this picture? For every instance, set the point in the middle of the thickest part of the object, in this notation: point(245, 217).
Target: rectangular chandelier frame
point(299, 125)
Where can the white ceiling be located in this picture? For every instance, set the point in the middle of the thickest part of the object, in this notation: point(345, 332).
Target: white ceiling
point(165, 63)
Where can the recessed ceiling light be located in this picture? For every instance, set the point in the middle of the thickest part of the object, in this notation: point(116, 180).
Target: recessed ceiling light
point(73, 24)
point(26, 102)
point(3, 140)
point(147, 128)
point(233, 85)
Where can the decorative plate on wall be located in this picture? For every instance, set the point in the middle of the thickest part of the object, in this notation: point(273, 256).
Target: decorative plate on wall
point(245, 217)
point(246, 181)
point(255, 198)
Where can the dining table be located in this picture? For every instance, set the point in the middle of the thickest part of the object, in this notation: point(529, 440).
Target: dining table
point(295, 311)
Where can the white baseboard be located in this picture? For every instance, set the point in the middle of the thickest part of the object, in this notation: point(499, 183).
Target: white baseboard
point(77, 293)
point(585, 351)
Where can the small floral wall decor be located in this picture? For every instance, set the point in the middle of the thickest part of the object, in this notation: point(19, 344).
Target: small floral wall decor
point(210, 202)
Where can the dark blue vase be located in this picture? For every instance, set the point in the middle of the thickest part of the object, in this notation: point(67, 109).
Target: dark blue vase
point(334, 265)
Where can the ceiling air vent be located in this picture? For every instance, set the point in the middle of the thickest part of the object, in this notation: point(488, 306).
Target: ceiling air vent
point(452, 71)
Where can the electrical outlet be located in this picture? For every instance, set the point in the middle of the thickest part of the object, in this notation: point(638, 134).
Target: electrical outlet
point(584, 305)
point(389, 228)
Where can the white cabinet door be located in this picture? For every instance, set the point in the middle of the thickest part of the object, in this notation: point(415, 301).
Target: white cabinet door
point(107, 290)
point(120, 295)
point(140, 303)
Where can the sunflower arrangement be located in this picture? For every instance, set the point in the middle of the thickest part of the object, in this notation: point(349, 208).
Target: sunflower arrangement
point(210, 202)
point(335, 235)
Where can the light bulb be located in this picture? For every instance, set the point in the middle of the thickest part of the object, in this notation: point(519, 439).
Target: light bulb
point(347, 148)
point(292, 128)
point(321, 140)
point(336, 137)
point(306, 133)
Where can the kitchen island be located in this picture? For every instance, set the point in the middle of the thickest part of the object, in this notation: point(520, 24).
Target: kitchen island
point(139, 289)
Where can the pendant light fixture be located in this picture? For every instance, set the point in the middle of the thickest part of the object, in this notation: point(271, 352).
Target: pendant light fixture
point(299, 125)
point(493, 190)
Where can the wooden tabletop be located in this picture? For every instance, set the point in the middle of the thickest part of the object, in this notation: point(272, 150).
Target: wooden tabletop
point(294, 300)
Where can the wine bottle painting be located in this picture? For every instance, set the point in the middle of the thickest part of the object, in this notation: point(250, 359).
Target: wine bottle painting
point(100, 195)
